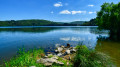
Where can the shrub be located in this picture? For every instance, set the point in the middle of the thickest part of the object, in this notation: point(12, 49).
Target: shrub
point(90, 58)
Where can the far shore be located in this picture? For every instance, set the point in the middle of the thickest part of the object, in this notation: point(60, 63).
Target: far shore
point(40, 26)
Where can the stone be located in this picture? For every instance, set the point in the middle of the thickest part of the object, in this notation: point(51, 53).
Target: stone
point(49, 54)
point(73, 50)
point(45, 56)
point(67, 57)
point(71, 47)
point(45, 60)
point(32, 66)
point(68, 63)
point(38, 61)
point(60, 63)
point(60, 49)
point(55, 57)
point(63, 46)
point(59, 54)
point(68, 51)
point(56, 51)
point(49, 61)
point(48, 64)
point(42, 61)
point(68, 45)
point(63, 51)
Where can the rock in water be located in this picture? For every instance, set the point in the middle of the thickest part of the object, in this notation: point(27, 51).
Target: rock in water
point(68, 45)
point(60, 49)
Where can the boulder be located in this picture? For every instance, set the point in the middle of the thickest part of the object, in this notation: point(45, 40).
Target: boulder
point(73, 50)
point(48, 64)
point(60, 63)
point(45, 56)
point(63, 46)
point(49, 61)
point(67, 51)
point(59, 49)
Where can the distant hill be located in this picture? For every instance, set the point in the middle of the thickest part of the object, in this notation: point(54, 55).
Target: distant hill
point(92, 22)
point(33, 22)
point(78, 22)
point(37, 22)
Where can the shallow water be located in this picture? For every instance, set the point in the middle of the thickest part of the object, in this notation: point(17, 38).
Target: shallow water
point(12, 38)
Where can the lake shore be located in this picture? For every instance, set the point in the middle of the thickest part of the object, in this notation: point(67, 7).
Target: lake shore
point(63, 56)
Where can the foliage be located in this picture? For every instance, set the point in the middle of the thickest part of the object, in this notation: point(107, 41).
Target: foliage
point(89, 58)
point(92, 22)
point(37, 22)
point(32, 22)
point(83, 58)
point(25, 58)
point(109, 18)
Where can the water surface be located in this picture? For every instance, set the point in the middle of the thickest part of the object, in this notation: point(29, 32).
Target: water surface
point(12, 38)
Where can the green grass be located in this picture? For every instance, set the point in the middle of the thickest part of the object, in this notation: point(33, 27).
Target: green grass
point(25, 59)
point(90, 58)
point(83, 58)
point(50, 56)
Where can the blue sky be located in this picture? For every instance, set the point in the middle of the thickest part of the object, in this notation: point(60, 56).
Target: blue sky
point(54, 10)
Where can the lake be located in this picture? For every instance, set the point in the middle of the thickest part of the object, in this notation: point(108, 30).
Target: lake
point(29, 37)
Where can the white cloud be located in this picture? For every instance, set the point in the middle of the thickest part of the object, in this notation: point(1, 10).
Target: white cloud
point(58, 4)
point(78, 12)
point(65, 12)
point(71, 12)
point(90, 5)
point(91, 12)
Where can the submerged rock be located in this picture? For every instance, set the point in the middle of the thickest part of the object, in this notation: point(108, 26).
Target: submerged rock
point(59, 49)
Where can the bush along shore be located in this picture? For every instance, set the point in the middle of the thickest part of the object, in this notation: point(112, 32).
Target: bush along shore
point(64, 56)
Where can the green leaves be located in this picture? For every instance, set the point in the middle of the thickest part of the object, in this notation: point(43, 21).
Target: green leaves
point(109, 18)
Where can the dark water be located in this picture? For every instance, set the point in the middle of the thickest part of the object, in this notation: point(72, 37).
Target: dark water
point(12, 38)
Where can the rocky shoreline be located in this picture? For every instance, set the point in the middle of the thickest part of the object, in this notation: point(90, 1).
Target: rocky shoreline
point(62, 53)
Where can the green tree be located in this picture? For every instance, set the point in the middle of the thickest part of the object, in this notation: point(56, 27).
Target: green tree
point(109, 18)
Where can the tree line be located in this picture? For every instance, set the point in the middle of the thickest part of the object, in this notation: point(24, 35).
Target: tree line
point(36, 22)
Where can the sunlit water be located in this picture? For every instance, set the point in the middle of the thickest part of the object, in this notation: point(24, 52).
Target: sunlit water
point(12, 38)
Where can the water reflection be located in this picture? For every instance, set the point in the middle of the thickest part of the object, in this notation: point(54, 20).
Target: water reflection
point(110, 48)
point(48, 38)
